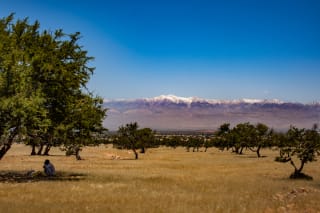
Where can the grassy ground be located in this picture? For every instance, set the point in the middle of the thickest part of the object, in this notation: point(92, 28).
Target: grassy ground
point(162, 180)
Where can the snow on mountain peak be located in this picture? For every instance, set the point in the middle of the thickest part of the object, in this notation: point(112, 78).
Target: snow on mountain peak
point(178, 100)
point(189, 100)
point(172, 98)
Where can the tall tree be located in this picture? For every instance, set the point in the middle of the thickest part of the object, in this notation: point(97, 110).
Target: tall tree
point(42, 76)
point(21, 105)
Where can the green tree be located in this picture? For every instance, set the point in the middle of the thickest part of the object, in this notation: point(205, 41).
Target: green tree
point(130, 137)
point(243, 135)
point(146, 139)
point(261, 136)
point(60, 69)
point(222, 139)
point(194, 141)
point(302, 145)
point(83, 125)
point(127, 137)
point(43, 76)
point(21, 105)
point(173, 141)
point(208, 143)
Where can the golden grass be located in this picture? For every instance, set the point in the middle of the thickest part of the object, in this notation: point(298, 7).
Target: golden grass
point(162, 180)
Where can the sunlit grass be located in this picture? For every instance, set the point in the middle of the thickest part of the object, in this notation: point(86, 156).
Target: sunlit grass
point(162, 180)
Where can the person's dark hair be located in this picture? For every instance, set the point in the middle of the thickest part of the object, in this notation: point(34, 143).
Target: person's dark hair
point(46, 162)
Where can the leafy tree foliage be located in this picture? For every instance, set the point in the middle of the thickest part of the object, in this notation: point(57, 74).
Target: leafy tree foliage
point(146, 139)
point(244, 136)
point(173, 141)
point(235, 139)
point(130, 137)
point(83, 126)
point(262, 136)
point(43, 93)
point(208, 143)
point(302, 144)
point(195, 142)
point(223, 139)
point(21, 105)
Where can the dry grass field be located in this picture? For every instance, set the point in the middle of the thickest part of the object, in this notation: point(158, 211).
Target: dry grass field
point(162, 180)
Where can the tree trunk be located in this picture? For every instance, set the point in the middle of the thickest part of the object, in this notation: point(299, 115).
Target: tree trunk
point(296, 170)
point(40, 149)
point(205, 150)
point(6, 146)
point(4, 149)
point(46, 152)
point(143, 150)
point(297, 174)
point(301, 167)
point(33, 152)
point(135, 153)
point(234, 149)
point(258, 151)
point(78, 157)
point(240, 152)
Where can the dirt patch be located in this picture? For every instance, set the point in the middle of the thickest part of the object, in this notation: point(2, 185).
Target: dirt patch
point(293, 194)
point(288, 199)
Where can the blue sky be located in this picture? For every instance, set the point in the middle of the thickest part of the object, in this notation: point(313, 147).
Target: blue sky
point(232, 49)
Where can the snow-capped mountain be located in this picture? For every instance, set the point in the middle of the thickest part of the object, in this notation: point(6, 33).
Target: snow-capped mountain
point(189, 100)
point(169, 112)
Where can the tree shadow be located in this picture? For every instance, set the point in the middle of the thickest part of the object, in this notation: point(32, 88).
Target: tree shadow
point(250, 156)
point(293, 177)
point(33, 176)
point(300, 176)
point(254, 156)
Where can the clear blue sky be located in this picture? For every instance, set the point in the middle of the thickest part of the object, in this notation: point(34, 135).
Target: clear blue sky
point(232, 49)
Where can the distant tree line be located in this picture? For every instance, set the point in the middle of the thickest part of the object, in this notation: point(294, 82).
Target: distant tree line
point(302, 145)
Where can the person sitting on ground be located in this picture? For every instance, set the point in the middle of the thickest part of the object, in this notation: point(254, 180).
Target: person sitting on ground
point(49, 169)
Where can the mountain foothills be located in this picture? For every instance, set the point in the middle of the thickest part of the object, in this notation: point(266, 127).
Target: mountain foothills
point(169, 112)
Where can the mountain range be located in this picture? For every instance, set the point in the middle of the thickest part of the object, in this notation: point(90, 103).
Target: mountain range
point(169, 112)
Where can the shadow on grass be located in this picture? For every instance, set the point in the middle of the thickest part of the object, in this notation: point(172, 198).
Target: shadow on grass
point(250, 156)
point(300, 176)
point(32, 176)
point(290, 178)
point(254, 156)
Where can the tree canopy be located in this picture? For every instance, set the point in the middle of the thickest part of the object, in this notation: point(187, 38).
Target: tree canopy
point(301, 145)
point(131, 137)
point(43, 93)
